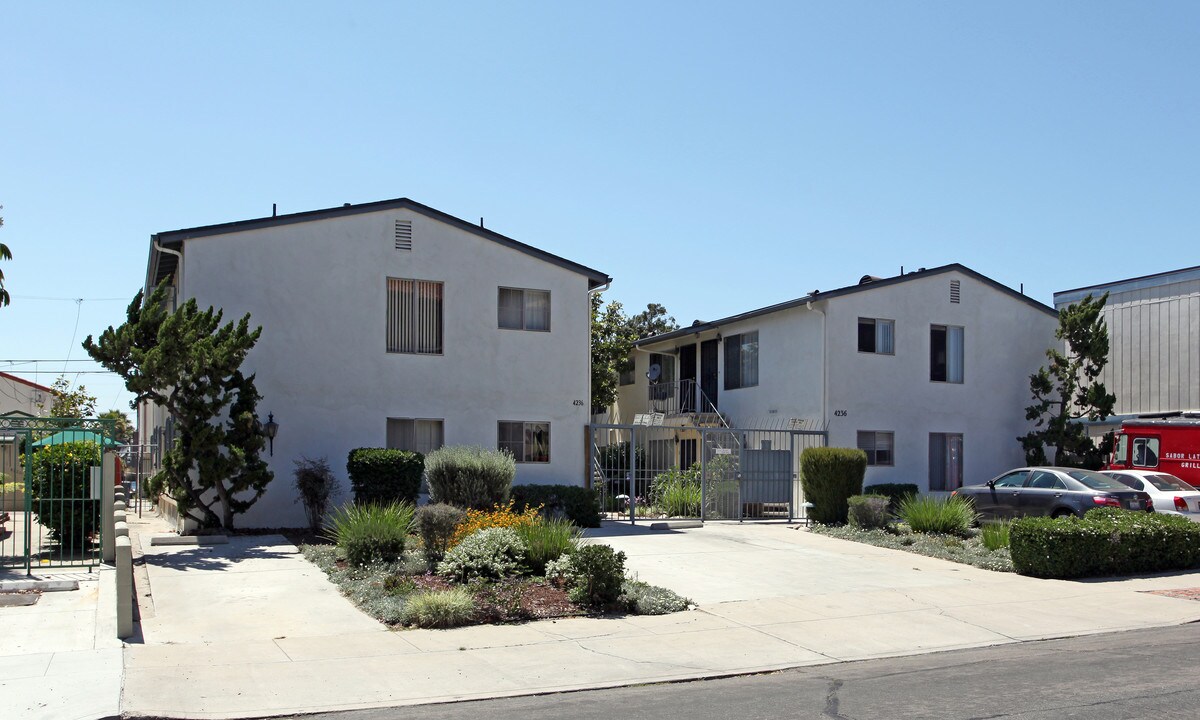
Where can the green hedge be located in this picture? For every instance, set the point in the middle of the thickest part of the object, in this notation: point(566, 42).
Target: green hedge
point(895, 492)
point(381, 476)
point(830, 476)
point(580, 505)
point(1106, 541)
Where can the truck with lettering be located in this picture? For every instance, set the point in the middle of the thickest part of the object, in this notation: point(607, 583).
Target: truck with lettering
point(1167, 443)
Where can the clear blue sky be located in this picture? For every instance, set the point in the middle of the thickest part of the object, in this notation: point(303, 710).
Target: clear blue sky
point(714, 157)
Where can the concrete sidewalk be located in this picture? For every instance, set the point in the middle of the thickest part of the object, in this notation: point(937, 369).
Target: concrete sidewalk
point(252, 629)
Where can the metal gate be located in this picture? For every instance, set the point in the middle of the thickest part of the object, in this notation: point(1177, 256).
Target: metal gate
point(50, 491)
point(707, 473)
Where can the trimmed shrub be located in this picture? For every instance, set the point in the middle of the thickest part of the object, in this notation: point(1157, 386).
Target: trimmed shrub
point(62, 493)
point(381, 476)
point(498, 516)
point(547, 541)
point(895, 492)
point(598, 572)
point(580, 505)
point(469, 476)
point(994, 535)
point(439, 608)
point(491, 554)
point(929, 514)
point(830, 476)
point(315, 486)
point(642, 598)
point(370, 533)
point(437, 524)
point(1106, 541)
point(869, 512)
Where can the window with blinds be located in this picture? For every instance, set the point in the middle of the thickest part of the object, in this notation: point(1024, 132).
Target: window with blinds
point(521, 309)
point(876, 336)
point(945, 461)
point(414, 316)
point(878, 446)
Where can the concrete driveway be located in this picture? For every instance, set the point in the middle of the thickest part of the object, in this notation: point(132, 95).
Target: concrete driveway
point(252, 629)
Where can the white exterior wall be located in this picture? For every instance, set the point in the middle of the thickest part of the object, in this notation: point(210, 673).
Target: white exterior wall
point(318, 290)
point(1004, 342)
point(810, 368)
point(1154, 342)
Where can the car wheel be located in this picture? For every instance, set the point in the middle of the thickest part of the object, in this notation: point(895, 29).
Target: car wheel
point(1061, 513)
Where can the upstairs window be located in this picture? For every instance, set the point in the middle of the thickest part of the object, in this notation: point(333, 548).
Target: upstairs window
point(741, 360)
point(414, 316)
point(946, 354)
point(876, 336)
point(521, 309)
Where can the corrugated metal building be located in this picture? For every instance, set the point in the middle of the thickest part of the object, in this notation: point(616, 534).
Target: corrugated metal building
point(1154, 340)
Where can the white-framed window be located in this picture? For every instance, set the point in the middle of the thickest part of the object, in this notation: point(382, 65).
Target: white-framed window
point(878, 445)
point(876, 336)
point(945, 461)
point(945, 353)
point(741, 360)
point(522, 309)
point(414, 316)
point(529, 442)
point(423, 435)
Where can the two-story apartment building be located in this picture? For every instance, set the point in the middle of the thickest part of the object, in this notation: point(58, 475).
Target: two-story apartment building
point(928, 372)
point(394, 324)
point(1154, 342)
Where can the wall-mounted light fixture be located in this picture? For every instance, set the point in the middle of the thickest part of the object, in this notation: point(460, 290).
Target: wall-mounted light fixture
point(270, 430)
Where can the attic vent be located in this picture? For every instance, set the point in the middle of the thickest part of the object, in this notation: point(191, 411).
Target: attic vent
point(954, 291)
point(404, 234)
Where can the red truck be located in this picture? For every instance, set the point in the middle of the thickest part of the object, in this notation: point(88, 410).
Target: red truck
point(1166, 442)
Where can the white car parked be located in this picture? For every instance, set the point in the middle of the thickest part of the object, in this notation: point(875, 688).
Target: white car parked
point(1171, 495)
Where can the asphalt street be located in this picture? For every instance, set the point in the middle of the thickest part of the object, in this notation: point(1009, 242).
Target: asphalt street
point(1137, 674)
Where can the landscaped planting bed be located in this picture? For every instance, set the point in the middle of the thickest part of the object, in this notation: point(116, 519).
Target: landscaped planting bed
point(967, 550)
point(479, 566)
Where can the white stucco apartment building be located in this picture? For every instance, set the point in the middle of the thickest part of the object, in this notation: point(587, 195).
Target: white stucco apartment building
point(391, 324)
point(22, 397)
point(927, 371)
point(1154, 342)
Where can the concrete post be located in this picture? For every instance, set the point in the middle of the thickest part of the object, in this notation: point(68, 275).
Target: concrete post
point(124, 575)
point(121, 529)
point(108, 476)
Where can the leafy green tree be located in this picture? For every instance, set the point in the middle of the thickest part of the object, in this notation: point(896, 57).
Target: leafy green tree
point(652, 321)
point(5, 254)
point(613, 336)
point(1068, 390)
point(71, 402)
point(123, 428)
point(189, 363)
point(612, 341)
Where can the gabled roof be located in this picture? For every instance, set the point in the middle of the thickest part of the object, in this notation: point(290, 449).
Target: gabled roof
point(162, 265)
point(870, 284)
point(23, 381)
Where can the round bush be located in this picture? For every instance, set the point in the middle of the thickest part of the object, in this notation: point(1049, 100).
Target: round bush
point(469, 476)
point(491, 554)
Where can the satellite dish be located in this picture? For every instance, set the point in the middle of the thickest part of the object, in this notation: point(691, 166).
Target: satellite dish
point(655, 372)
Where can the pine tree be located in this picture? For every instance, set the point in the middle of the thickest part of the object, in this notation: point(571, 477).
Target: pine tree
point(189, 363)
point(1068, 390)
